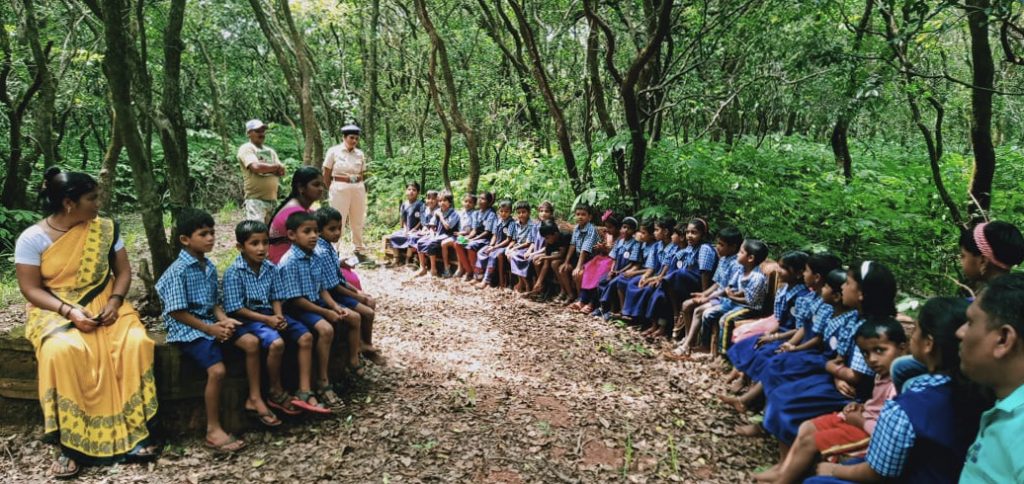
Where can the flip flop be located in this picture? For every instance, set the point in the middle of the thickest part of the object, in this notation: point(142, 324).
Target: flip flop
point(230, 447)
point(64, 468)
point(283, 402)
point(302, 401)
point(267, 419)
point(143, 452)
point(326, 394)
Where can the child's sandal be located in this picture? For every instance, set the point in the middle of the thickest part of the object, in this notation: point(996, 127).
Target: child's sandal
point(326, 394)
point(284, 403)
point(302, 401)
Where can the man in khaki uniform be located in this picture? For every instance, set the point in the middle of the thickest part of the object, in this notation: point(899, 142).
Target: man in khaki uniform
point(262, 172)
point(344, 173)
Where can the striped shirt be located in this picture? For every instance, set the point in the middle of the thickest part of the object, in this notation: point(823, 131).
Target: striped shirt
point(188, 285)
point(726, 267)
point(244, 288)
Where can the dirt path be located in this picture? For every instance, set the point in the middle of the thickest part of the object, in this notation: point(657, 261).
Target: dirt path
point(479, 388)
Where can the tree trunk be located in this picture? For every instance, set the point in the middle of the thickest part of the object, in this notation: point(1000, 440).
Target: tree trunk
point(171, 123)
point(108, 172)
point(453, 100)
point(43, 111)
point(370, 118)
point(631, 107)
point(541, 76)
point(218, 117)
point(435, 97)
point(981, 109)
point(841, 147)
point(15, 185)
point(119, 77)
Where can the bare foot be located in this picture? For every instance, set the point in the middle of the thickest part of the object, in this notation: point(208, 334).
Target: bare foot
point(737, 384)
point(734, 402)
point(749, 430)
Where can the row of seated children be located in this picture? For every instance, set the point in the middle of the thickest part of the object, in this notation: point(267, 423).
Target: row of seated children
point(640, 272)
point(262, 307)
point(831, 370)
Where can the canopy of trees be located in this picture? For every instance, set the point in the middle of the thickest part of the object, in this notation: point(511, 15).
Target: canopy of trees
point(449, 91)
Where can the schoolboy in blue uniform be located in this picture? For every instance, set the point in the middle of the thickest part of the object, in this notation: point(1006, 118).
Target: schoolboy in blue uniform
point(467, 223)
point(581, 247)
point(310, 303)
point(194, 321)
point(743, 298)
point(250, 297)
point(727, 246)
point(345, 294)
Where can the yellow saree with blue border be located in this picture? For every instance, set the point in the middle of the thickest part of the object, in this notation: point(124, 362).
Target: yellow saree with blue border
point(96, 389)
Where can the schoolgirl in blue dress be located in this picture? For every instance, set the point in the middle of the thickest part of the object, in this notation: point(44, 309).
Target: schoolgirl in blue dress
point(524, 233)
point(870, 289)
point(467, 220)
point(427, 222)
point(488, 257)
point(922, 434)
point(481, 235)
point(410, 214)
point(691, 270)
point(636, 290)
point(625, 255)
point(614, 295)
point(446, 223)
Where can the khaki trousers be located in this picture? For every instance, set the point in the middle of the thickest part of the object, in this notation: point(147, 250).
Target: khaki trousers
point(350, 200)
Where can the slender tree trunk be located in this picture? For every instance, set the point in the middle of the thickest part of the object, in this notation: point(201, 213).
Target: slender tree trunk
point(631, 104)
point(841, 147)
point(370, 119)
point(453, 101)
point(840, 131)
point(43, 111)
point(16, 184)
point(119, 77)
point(983, 71)
point(541, 76)
point(218, 117)
point(435, 97)
point(108, 172)
point(171, 123)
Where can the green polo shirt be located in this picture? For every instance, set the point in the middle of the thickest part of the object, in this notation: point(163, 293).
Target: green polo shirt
point(996, 455)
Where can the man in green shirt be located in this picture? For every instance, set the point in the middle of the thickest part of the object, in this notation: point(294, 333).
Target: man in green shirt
point(992, 354)
point(261, 171)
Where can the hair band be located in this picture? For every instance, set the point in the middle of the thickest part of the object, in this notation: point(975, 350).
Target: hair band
point(864, 268)
point(985, 248)
point(627, 219)
point(606, 215)
point(705, 222)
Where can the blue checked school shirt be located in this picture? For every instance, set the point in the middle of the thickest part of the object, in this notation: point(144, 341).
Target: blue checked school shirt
point(894, 434)
point(702, 259)
point(726, 267)
point(298, 277)
point(625, 252)
point(754, 286)
point(523, 233)
point(652, 255)
point(327, 267)
point(839, 336)
point(668, 253)
point(584, 238)
point(244, 288)
point(488, 218)
point(785, 298)
point(467, 220)
point(188, 286)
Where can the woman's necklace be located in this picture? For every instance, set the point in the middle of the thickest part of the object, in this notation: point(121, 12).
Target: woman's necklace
point(48, 224)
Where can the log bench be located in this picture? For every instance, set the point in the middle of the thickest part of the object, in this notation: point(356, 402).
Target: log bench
point(179, 385)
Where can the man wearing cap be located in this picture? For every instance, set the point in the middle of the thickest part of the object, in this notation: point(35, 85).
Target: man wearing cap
point(344, 172)
point(261, 171)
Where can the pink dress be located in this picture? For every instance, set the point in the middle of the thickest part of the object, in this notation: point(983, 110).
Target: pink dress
point(595, 269)
point(279, 243)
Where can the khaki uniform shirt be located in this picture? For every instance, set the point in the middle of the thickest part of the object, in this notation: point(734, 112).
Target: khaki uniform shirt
point(343, 162)
point(258, 186)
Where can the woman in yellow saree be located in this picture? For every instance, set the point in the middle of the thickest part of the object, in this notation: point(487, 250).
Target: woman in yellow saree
point(95, 360)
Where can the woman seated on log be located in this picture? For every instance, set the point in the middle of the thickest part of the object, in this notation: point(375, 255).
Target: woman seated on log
point(95, 360)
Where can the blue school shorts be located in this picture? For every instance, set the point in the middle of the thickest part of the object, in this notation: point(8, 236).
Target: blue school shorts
point(291, 333)
point(261, 331)
point(345, 301)
point(304, 319)
point(204, 352)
